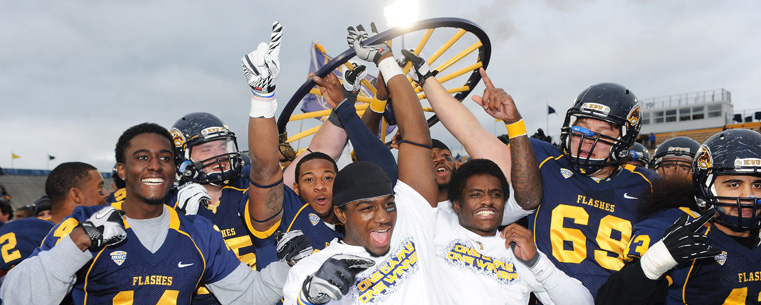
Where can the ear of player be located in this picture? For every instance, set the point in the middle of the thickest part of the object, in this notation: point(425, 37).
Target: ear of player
point(292, 246)
point(684, 240)
point(190, 197)
point(333, 280)
point(368, 52)
point(262, 66)
point(105, 227)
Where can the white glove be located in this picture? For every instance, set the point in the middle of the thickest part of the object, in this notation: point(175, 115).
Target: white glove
point(190, 196)
point(292, 246)
point(105, 227)
point(353, 79)
point(262, 66)
point(333, 279)
point(369, 52)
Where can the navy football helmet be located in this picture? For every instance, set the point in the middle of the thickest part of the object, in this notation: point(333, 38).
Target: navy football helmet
point(196, 129)
point(683, 147)
point(730, 152)
point(606, 102)
point(638, 152)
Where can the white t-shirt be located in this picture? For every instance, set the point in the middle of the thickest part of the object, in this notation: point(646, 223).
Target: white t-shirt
point(404, 275)
point(482, 270)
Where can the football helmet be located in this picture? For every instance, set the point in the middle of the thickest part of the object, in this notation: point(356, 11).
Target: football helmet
point(638, 152)
point(195, 129)
point(606, 102)
point(730, 152)
point(679, 147)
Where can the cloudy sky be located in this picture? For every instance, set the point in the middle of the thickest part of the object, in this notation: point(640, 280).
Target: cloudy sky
point(75, 74)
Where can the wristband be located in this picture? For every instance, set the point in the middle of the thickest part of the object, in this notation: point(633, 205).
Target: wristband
point(657, 261)
point(516, 129)
point(262, 108)
point(378, 106)
point(389, 68)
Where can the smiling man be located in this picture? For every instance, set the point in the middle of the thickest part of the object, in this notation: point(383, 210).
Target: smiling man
point(141, 250)
point(443, 165)
point(478, 266)
point(388, 228)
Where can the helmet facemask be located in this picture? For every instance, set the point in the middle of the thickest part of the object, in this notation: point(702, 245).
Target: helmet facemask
point(587, 165)
point(218, 168)
point(707, 197)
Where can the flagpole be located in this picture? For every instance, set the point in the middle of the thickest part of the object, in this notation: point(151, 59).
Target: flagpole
point(547, 118)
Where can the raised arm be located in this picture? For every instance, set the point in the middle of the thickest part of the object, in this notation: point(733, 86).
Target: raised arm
point(524, 169)
point(415, 159)
point(262, 67)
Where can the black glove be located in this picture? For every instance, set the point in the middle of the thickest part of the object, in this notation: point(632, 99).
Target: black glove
point(105, 227)
point(333, 279)
point(685, 243)
point(420, 70)
point(292, 246)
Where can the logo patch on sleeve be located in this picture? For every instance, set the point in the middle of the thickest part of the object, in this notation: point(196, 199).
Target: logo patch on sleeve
point(119, 257)
point(314, 219)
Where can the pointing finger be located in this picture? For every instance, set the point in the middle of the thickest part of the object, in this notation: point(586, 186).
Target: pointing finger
point(275, 38)
point(487, 80)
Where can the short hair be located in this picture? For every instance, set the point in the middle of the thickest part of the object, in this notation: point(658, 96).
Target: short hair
point(123, 143)
point(6, 208)
point(64, 177)
point(313, 156)
point(471, 168)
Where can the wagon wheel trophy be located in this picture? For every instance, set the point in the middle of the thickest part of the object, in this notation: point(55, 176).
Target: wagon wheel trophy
point(463, 48)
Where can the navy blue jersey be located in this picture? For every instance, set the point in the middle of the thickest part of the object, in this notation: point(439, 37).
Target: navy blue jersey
point(128, 273)
point(297, 215)
point(19, 238)
point(116, 196)
point(584, 225)
point(650, 230)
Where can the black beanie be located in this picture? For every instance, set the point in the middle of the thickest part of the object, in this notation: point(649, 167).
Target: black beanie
point(360, 180)
point(438, 144)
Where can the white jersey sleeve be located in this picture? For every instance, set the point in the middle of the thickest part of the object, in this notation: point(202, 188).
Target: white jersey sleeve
point(556, 287)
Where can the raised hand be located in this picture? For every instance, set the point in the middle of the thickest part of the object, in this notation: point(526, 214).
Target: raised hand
point(105, 227)
point(353, 79)
point(684, 241)
point(520, 240)
point(330, 89)
point(292, 246)
point(371, 53)
point(420, 70)
point(333, 280)
point(496, 102)
point(262, 66)
point(190, 196)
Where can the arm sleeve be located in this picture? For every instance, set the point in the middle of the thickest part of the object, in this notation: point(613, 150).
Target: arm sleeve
point(246, 286)
point(367, 145)
point(45, 273)
point(630, 286)
point(559, 287)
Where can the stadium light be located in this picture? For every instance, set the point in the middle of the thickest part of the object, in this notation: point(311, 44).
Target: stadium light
point(401, 13)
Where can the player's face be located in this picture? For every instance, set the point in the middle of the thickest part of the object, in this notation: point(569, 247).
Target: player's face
point(482, 204)
point(602, 149)
point(443, 166)
point(148, 168)
point(44, 214)
point(738, 186)
point(315, 185)
point(369, 223)
point(675, 168)
point(94, 190)
point(210, 150)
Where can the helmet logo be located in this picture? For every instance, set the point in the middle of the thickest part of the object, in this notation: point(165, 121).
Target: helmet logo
point(704, 160)
point(213, 130)
point(634, 116)
point(179, 139)
point(741, 165)
point(595, 108)
point(673, 149)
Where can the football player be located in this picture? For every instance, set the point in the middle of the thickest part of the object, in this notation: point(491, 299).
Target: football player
point(443, 165)
point(141, 250)
point(673, 158)
point(389, 230)
point(708, 260)
point(638, 156)
point(301, 196)
point(480, 267)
